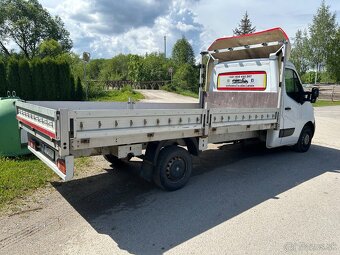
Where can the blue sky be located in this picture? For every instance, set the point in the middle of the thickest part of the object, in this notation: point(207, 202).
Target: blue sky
point(109, 27)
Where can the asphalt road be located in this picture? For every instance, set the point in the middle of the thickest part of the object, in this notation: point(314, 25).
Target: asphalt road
point(238, 201)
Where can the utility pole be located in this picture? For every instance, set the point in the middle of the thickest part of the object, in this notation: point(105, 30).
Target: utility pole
point(165, 46)
point(316, 73)
point(171, 71)
point(86, 60)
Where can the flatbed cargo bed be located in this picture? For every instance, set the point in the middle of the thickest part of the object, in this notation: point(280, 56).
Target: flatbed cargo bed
point(92, 128)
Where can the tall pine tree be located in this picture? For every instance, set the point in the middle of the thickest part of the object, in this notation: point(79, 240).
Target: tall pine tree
point(245, 26)
point(299, 54)
point(50, 74)
point(182, 52)
point(38, 85)
point(73, 89)
point(13, 80)
point(25, 80)
point(333, 63)
point(322, 30)
point(3, 82)
point(79, 90)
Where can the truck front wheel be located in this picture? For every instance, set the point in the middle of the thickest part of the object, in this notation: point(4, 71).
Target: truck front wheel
point(305, 140)
point(173, 168)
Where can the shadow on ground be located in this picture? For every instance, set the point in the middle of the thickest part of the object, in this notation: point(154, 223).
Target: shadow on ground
point(226, 182)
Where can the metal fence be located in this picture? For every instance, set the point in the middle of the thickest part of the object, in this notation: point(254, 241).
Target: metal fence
point(108, 85)
point(327, 91)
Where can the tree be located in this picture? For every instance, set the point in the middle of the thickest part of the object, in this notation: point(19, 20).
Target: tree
point(25, 80)
point(50, 48)
point(13, 81)
point(38, 84)
point(333, 56)
point(64, 81)
point(27, 24)
point(73, 89)
point(321, 30)
point(48, 75)
point(135, 68)
point(182, 52)
point(79, 90)
point(156, 67)
point(3, 30)
point(299, 53)
point(75, 63)
point(57, 31)
point(186, 78)
point(245, 26)
point(116, 68)
point(3, 82)
point(94, 67)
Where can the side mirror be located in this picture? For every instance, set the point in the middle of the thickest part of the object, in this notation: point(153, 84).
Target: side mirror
point(314, 95)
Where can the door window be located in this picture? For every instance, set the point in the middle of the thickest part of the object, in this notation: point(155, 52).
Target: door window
point(293, 86)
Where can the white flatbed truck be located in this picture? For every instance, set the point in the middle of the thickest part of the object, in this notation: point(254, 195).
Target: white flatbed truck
point(248, 89)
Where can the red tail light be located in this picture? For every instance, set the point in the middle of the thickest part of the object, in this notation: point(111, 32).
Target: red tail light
point(61, 165)
point(32, 144)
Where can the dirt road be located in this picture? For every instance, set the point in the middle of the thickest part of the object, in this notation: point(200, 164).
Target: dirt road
point(252, 201)
point(161, 96)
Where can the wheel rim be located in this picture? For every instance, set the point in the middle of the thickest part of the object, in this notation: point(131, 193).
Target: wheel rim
point(306, 140)
point(176, 169)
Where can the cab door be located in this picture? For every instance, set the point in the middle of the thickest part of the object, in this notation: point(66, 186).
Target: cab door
point(293, 99)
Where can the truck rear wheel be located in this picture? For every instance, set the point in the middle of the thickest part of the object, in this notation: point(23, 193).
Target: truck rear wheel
point(173, 168)
point(305, 140)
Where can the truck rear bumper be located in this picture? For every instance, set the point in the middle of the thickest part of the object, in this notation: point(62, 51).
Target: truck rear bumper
point(66, 166)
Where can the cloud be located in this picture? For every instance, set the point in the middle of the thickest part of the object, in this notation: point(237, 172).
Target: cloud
point(116, 17)
point(107, 28)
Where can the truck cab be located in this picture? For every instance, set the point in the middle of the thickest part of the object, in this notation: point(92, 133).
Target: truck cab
point(297, 109)
point(254, 71)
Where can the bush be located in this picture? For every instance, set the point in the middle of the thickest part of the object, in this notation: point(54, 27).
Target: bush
point(186, 78)
point(73, 89)
point(79, 90)
point(127, 88)
point(326, 77)
point(3, 82)
point(38, 87)
point(50, 79)
point(39, 79)
point(323, 77)
point(25, 80)
point(65, 81)
point(13, 81)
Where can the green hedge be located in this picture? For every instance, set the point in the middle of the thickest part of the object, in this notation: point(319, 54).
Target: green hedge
point(3, 80)
point(40, 79)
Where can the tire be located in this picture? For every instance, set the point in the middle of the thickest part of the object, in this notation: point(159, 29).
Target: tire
point(116, 161)
point(305, 140)
point(173, 168)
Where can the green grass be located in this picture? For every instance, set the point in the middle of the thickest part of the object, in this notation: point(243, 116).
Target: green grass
point(118, 96)
point(82, 162)
point(187, 93)
point(20, 176)
point(320, 103)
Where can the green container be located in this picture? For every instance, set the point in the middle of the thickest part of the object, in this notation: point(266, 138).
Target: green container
point(10, 137)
